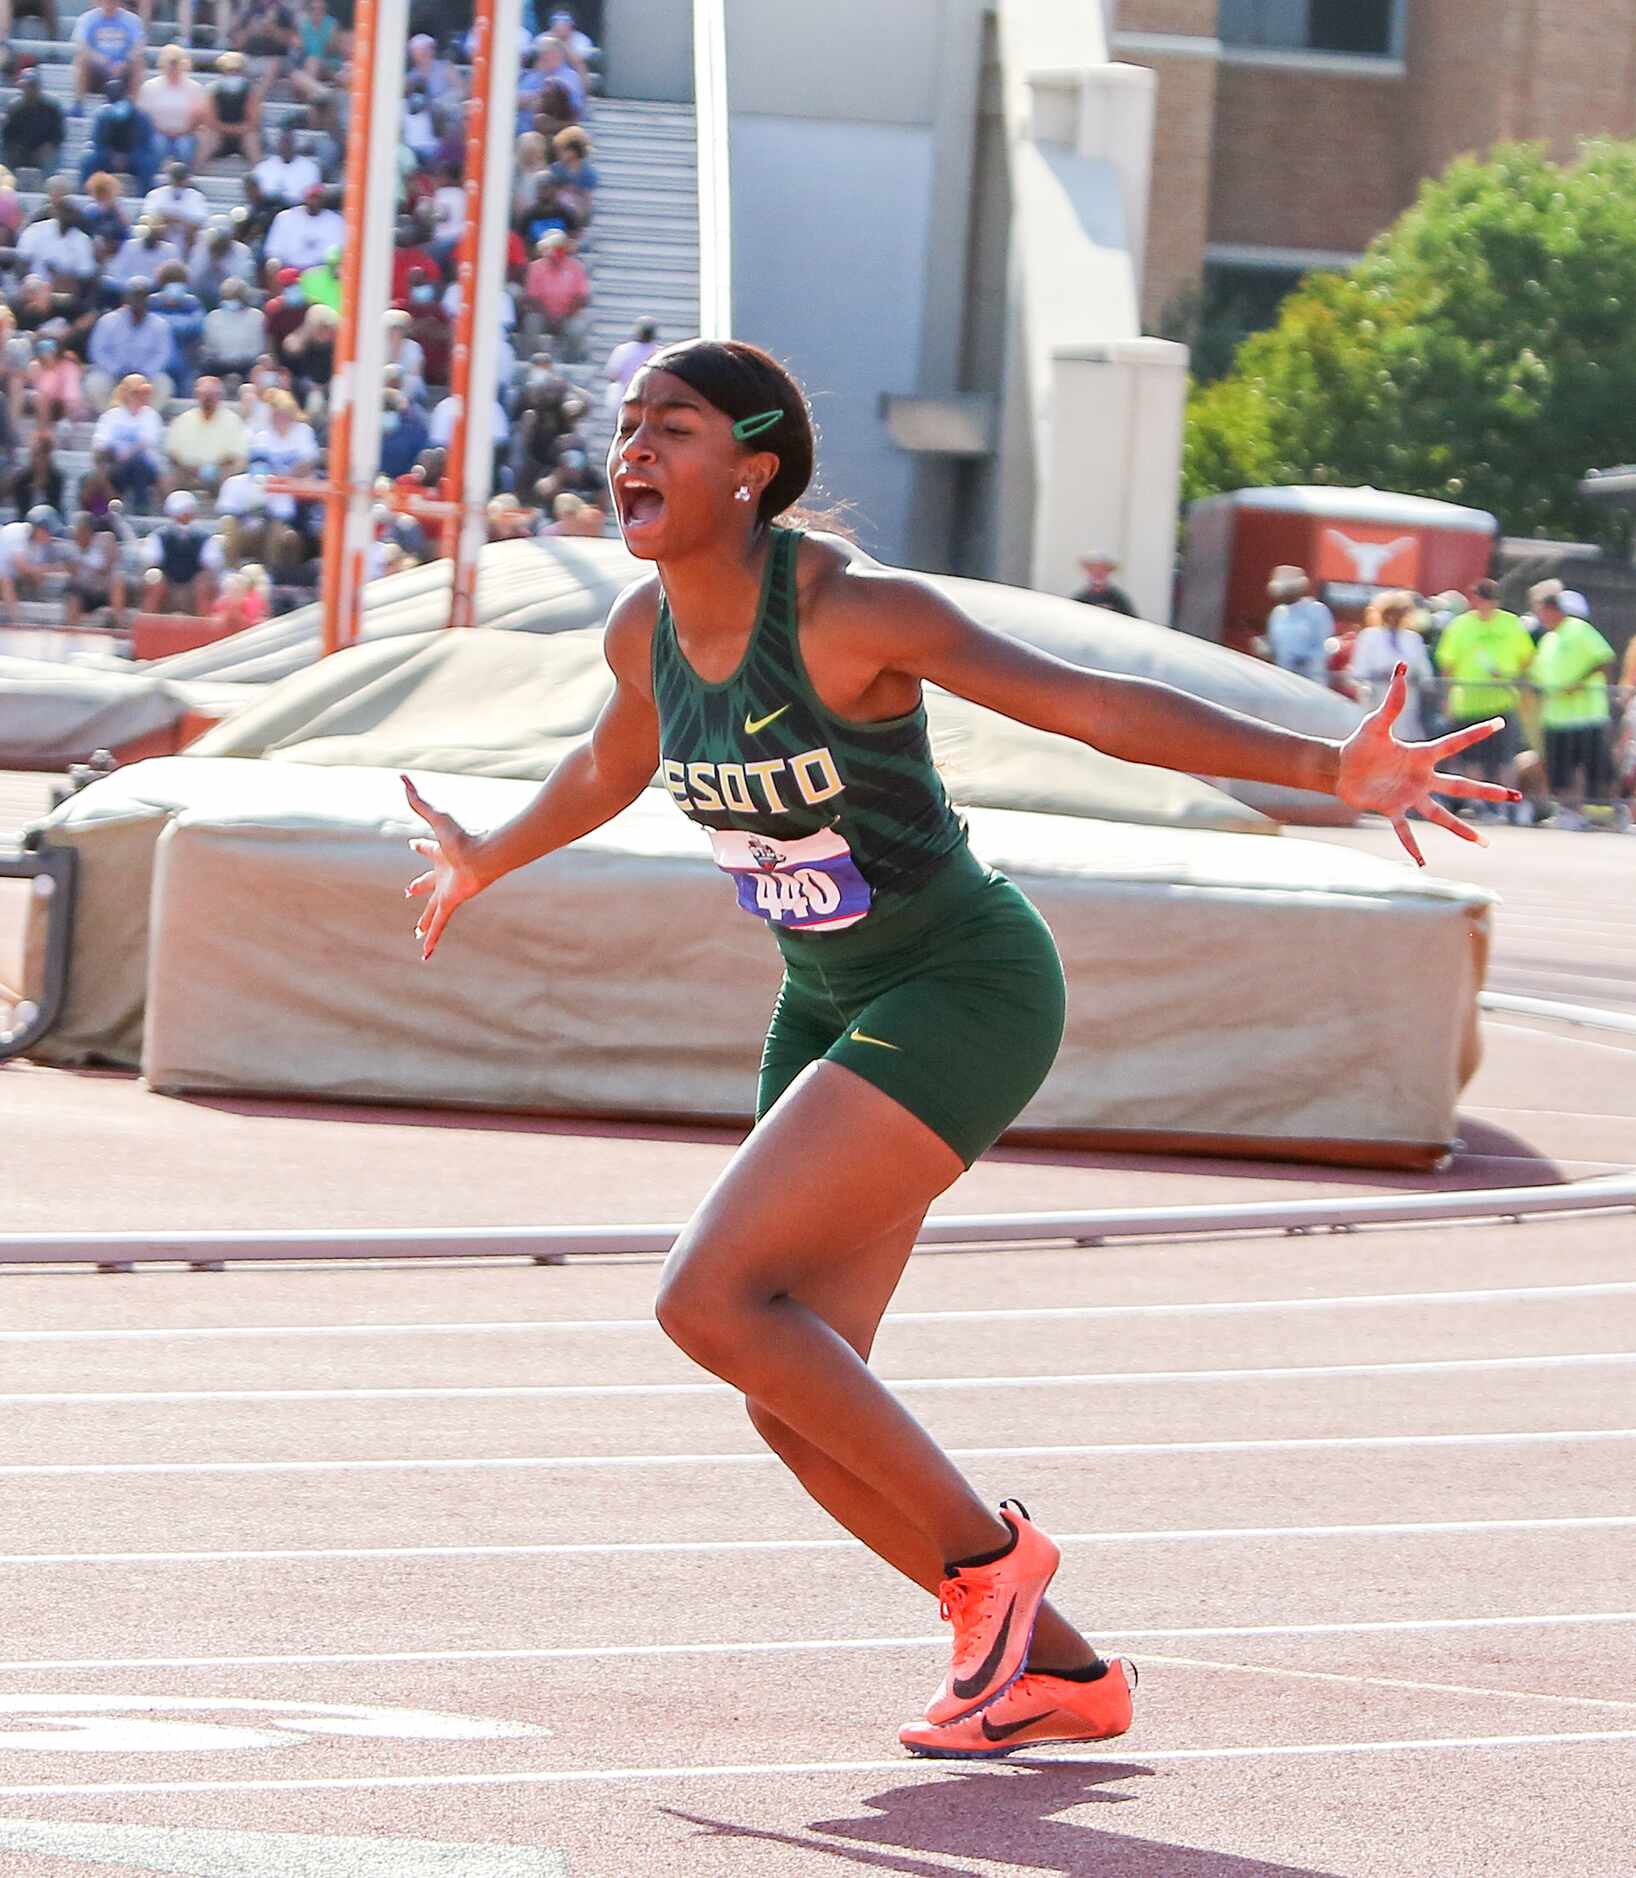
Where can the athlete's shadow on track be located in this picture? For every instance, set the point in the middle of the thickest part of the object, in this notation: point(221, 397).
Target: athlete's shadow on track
point(1004, 1814)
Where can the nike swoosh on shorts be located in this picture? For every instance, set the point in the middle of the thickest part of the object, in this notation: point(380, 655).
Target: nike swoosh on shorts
point(880, 1043)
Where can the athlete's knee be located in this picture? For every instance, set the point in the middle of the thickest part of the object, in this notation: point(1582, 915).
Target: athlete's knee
point(695, 1319)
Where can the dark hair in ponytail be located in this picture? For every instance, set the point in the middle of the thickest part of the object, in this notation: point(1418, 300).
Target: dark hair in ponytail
point(742, 381)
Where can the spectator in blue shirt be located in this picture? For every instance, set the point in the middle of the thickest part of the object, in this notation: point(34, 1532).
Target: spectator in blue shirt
point(109, 41)
point(122, 138)
point(183, 312)
point(403, 435)
point(133, 339)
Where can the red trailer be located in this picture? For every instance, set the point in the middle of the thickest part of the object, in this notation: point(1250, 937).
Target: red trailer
point(1353, 543)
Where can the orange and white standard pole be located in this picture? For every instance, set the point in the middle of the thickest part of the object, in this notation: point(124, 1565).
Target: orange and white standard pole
point(473, 371)
point(379, 39)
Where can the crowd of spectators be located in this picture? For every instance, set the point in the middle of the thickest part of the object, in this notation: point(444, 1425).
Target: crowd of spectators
point(162, 357)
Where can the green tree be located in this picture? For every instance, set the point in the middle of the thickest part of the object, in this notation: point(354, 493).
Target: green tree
point(1482, 351)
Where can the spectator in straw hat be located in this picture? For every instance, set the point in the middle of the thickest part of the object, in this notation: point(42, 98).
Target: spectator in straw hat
point(1099, 590)
point(1299, 626)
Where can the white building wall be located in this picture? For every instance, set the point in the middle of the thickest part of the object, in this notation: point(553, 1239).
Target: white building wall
point(829, 238)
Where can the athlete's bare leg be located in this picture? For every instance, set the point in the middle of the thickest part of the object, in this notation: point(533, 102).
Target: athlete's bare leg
point(852, 1296)
point(778, 1286)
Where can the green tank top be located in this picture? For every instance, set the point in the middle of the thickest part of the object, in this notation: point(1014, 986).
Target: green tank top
point(818, 820)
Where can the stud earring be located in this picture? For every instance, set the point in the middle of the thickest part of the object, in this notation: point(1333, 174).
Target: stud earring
point(742, 493)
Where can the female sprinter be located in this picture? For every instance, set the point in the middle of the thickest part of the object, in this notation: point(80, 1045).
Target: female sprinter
point(773, 679)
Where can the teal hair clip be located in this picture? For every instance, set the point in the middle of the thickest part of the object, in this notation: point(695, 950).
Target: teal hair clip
point(748, 427)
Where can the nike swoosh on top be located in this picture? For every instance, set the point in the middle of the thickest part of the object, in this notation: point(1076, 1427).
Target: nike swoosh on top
point(754, 726)
point(967, 1686)
point(879, 1042)
point(1006, 1730)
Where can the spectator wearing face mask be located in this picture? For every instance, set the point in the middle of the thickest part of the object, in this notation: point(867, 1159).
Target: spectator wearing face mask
point(430, 328)
point(206, 443)
point(235, 333)
point(183, 312)
point(409, 256)
point(122, 139)
point(285, 309)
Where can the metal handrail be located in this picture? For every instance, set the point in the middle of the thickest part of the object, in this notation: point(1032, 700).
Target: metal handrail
point(54, 873)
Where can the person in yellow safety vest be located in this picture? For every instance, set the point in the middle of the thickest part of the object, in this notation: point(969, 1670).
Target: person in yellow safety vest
point(1480, 651)
point(1571, 666)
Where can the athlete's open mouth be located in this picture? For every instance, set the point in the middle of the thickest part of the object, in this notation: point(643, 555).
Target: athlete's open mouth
point(639, 502)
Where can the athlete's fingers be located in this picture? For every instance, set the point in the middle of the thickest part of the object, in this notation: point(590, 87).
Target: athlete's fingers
point(1435, 812)
point(422, 883)
point(430, 849)
point(432, 817)
point(1448, 784)
point(434, 930)
point(1458, 740)
point(1391, 706)
point(1405, 834)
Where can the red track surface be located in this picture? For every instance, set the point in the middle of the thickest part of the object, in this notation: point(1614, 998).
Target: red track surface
point(1302, 1746)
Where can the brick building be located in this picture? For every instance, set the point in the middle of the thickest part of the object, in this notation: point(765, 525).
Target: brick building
point(1290, 132)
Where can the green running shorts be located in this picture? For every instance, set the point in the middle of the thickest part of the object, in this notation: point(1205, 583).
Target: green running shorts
point(952, 1004)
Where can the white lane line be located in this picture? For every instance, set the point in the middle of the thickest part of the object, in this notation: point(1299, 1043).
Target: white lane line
point(827, 1646)
point(580, 1776)
point(571, 1391)
point(1391, 1682)
point(1102, 1450)
point(530, 1327)
point(647, 1548)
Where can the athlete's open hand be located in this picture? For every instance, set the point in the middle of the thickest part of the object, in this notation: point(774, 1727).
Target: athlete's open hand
point(452, 877)
point(1379, 773)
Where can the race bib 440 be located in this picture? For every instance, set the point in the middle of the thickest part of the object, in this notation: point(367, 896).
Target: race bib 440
point(812, 884)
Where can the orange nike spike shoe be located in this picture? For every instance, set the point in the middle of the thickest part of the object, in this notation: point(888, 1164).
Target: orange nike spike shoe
point(993, 1608)
point(1038, 1710)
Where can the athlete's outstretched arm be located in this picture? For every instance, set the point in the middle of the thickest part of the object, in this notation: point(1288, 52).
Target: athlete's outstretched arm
point(917, 631)
point(597, 778)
